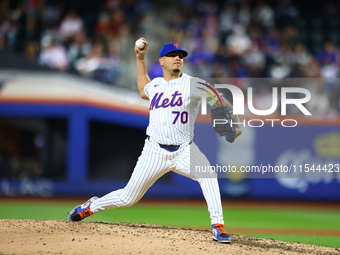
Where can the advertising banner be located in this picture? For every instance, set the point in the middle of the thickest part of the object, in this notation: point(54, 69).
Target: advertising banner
point(310, 153)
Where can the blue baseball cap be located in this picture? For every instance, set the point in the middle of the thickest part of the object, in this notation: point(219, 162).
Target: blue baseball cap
point(170, 47)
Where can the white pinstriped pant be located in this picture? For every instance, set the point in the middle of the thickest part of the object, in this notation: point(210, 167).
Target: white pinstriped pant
point(153, 163)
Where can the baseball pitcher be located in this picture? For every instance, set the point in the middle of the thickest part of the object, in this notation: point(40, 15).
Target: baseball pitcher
point(174, 102)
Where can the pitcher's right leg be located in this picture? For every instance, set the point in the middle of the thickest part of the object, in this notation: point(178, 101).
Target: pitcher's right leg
point(151, 165)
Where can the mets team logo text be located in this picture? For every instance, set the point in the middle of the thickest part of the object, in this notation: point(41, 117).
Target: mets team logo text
point(159, 102)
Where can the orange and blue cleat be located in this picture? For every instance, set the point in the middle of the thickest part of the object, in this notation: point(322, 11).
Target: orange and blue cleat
point(81, 211)
point(220, 234)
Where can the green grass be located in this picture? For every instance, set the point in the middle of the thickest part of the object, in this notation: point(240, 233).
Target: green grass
point(283, 219)
point(235, 218)
point(190, 216)
point(34, 211)
point(195, 216)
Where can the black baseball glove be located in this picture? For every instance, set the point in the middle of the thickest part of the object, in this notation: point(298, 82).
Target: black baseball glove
point(221, 120)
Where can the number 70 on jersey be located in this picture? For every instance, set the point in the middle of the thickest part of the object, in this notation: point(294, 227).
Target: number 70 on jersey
point(180, 116)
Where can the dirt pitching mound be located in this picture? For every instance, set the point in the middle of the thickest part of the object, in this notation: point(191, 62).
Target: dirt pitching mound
point(62, 237)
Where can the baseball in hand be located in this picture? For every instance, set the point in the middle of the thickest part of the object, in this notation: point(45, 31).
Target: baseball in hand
point(140, 44)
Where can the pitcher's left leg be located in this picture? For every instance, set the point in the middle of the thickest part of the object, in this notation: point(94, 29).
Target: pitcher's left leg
point(188, 163)
point(192, 163)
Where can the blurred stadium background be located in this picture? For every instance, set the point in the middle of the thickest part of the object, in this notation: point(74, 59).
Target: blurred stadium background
point(72, 123)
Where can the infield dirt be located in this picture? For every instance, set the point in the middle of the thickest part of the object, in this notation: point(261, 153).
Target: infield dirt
point(27, 237)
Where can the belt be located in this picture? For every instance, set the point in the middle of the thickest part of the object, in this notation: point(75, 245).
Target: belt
point(170, 148)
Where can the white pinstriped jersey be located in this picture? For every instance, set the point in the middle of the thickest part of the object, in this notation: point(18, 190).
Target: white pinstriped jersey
point(173, 107)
